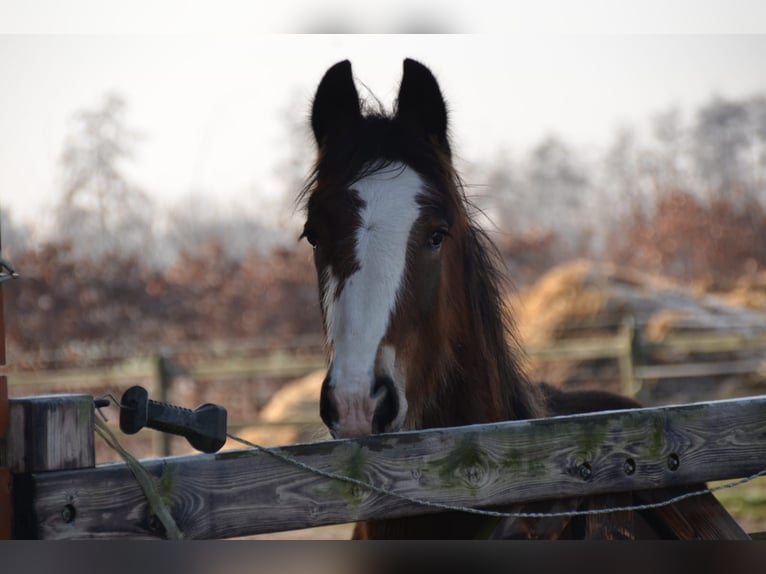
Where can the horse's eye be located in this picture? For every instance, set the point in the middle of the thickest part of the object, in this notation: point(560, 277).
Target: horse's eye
point(436, 238)
point(310, 237)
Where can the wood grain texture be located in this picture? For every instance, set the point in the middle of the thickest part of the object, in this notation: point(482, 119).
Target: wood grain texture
point(49, 432)
point(614, 525)
point(4, 406)
point(700, 518)
point(2, 327)
point(238, 493)
point(546, 528)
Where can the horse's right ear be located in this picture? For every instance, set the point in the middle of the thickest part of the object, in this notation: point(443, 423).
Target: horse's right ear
point(336, 103)
point(420, 103)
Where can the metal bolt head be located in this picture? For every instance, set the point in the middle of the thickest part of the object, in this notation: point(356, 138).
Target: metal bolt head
point(630, 466)
point(673, 461)
point(68, 513)
point(585, 471)
point(155, 524)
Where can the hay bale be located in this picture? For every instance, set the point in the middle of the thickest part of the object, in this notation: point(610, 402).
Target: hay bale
point(749, 291)
point(583, 299)
point(297, 401)
point(560, 298)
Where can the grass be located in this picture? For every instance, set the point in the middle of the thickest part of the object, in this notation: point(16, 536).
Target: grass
point(746, 503)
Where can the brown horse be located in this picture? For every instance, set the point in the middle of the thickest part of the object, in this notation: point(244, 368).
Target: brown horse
point(410, 286)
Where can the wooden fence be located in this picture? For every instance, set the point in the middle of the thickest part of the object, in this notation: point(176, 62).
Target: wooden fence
point(636, 357)
point(58, 493)
point(638, 362)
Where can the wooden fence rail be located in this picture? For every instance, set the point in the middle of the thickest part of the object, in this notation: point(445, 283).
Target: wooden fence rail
point(637, 357)
point(634, 355)
point(276, 364)
point(245, 492)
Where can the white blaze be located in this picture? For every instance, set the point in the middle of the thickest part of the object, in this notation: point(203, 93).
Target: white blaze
point(357, 321)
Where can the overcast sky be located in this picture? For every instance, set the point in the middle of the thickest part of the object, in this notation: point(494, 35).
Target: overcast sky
point(210, 108)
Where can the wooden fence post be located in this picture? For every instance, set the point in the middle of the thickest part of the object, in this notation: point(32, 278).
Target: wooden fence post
point(165, 374)
point(46, 432)
point(5, 473)
point(628, 356)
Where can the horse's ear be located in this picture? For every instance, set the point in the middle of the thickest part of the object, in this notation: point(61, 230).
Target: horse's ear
point(420, 102)
point(336, 103)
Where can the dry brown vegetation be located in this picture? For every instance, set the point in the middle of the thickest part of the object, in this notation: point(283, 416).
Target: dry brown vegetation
point(713, 243)
point(62, 310)
point(65, 307)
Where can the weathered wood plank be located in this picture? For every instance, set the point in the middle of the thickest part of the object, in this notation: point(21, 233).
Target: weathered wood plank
point(4, 407)
point(137, 371)
point(700, 518)
point(546, 528)
point(49, 432)
point(2, 323)
point(580, 349)
point(614, 525)
point(707, 342)
point(699, 370)
point(238, 493)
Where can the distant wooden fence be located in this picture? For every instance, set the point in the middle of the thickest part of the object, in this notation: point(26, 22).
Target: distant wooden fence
point(58, 493)
point(636, 359)
point(218, 360)
point(635, 356)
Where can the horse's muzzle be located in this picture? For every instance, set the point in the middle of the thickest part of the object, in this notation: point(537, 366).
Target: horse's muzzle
point(358, 411)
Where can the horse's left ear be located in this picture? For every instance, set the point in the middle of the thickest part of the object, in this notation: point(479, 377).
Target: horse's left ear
point(420, 102)
point(336, 103)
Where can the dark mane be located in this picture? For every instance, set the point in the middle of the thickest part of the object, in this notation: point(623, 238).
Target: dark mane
point(374, 142)
point(498, 344)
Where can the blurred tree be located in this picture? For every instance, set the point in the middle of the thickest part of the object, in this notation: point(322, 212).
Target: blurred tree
point(544, 192)
point(620, 167)
point(618, 184)
point(756, 111)
point(668, 157)
point(14, 235)
point(499, 192)
point(690, 238)
point(100, 211)
point(557, 188)
point(722, 136)
point(198, 220)
point(294, 167)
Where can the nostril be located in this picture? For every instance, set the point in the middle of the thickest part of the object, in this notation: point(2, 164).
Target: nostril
point(328, 410)
point(388, 404)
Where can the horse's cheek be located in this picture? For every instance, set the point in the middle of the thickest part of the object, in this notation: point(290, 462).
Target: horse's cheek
point(426, 284)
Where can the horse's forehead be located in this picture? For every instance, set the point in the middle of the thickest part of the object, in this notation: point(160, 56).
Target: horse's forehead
point(389, 195)
point(372, 222)
point(381, 200)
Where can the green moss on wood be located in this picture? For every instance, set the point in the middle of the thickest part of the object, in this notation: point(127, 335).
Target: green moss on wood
point(166, 484)
point(85, 409)
point(352, 466)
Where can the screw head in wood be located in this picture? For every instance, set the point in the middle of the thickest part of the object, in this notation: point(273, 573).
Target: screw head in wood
point(68, 513)
point(673, 461)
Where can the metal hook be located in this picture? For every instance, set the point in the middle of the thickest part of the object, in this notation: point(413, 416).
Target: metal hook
point(103, 401)
point(7, 272)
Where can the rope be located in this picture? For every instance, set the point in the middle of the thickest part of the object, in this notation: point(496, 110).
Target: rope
point(145, 481)
point(276, 453)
